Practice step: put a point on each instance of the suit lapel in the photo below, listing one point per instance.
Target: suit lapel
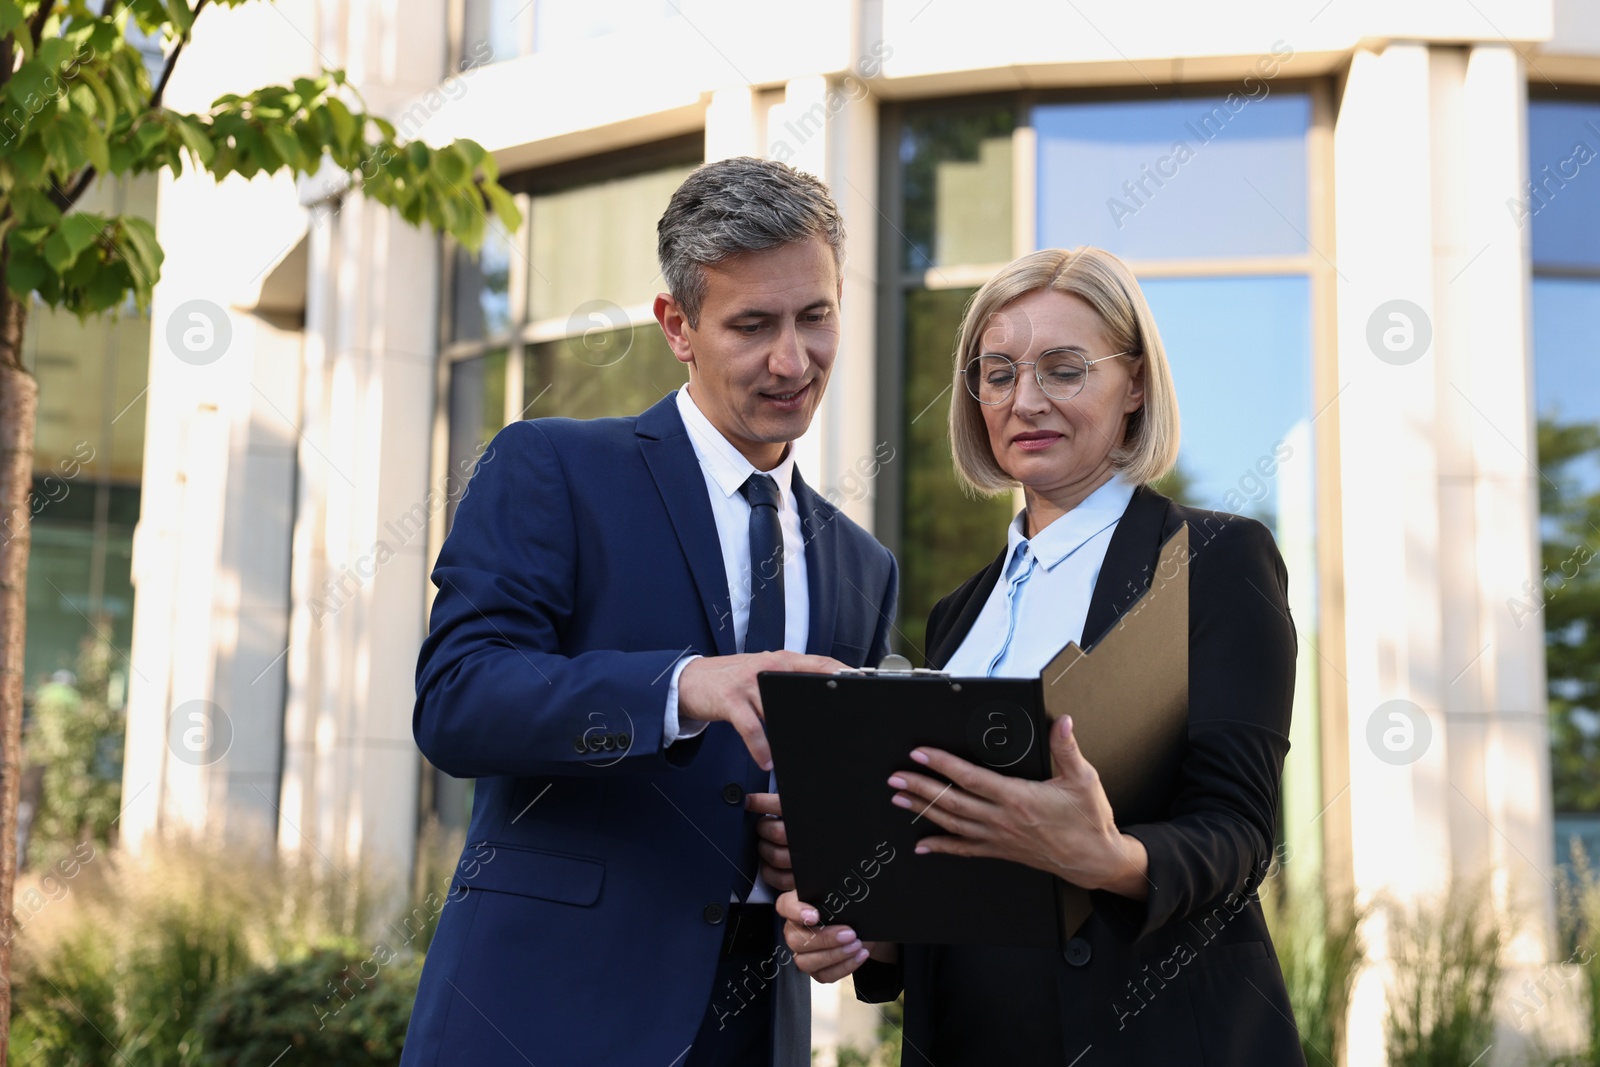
(822, 566)
(665, 445)
(1125, 574)
(966, 613)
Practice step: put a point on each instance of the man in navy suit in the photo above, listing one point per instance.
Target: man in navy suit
(607, 595)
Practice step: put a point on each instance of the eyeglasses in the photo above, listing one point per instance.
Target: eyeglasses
(991, 378)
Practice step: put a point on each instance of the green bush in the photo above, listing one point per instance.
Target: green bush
(336, 1004)
(1320, 949)
(1447, 966)
(119, 967)
(1578, 916)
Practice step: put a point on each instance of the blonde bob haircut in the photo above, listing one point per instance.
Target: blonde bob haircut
(1149, 447)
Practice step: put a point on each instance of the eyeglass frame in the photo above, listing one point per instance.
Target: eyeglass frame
(1037, 377)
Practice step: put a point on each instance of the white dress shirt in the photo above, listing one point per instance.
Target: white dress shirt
(1042, 598)
(726, 470)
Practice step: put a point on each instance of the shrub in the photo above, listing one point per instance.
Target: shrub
(1320, 949)
(1447, 966)
(125, 958)
(335, 1004)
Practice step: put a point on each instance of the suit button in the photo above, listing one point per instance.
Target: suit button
(622, 741)
(608, 742)
(1077, 952)
(580, 743)
(733, 792)
(714, 913)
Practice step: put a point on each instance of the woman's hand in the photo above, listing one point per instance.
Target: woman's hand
(826, 953)
(1063, 825)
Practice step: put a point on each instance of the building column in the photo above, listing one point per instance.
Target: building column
(211, 550)
(1448, 765)
(351, 770)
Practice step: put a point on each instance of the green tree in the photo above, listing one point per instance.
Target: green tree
(1567, 594)
(77, 738)
(76, 102)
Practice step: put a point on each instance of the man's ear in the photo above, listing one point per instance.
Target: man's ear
(675, 325)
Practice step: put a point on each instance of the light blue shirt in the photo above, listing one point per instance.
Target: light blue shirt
(1042, 598)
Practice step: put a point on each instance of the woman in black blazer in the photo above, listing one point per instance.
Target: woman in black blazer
(1063, 387)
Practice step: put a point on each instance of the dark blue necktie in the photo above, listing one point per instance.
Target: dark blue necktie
(766, 629)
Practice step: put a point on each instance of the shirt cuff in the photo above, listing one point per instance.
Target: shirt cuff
(670, 730)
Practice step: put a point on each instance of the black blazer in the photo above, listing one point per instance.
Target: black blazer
(1188, 976)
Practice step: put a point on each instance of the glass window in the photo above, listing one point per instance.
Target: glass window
(597, 243)
(957, 181)
(1175, 179)
(1562, 204)
(599, 375)
(477, 409)
(1562, 197)
(1232, 337)
(480, 303)
(563, 22)
(946, 536)
(494, 30)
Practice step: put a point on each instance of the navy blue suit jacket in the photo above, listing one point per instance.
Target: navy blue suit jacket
(582, 563)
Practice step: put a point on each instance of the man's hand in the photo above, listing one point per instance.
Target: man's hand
(772, 840)
(723, 688)
(827, 953)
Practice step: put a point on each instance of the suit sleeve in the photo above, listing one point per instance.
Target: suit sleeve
(1219, 838)
(495, 695)
(886, 610)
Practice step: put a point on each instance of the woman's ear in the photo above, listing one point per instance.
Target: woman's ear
(1135, 399)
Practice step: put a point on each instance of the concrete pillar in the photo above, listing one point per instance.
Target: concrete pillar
(1448, 763)
(359, 607)
(211, 549)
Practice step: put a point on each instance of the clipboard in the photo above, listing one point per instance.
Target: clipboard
(837, 738)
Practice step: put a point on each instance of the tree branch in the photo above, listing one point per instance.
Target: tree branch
(40, 17)
(81, 186)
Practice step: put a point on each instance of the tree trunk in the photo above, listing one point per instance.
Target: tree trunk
(19, 401)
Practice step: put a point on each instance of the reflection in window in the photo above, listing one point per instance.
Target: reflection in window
(597, 243)
(564, 22)
(477, 411)
(506, 29)
(1175, 179)
(1226, 339)
(481, 300)
(494, 31)
(1562, 205)
(600, 375)
(1562, 197)
(947, 536)
(957, 207)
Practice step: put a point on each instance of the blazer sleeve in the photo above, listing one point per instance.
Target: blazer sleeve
(1219, 838)
(495, 694)
(886, 610)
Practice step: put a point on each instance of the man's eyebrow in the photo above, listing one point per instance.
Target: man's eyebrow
(762, 313)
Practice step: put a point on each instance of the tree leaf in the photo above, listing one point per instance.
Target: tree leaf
(140, 236)
(79, 230)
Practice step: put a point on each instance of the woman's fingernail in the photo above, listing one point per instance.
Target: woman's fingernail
(861, 957)
(809, 916)
(852, 948)
(922, 850)
(846, 936)
(899, 801)
(897, 782)
(919, 755)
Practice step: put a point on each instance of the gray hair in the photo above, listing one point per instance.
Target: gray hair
(739, 205)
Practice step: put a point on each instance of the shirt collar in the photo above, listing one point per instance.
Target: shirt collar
(726, 465)
(1100, 509)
